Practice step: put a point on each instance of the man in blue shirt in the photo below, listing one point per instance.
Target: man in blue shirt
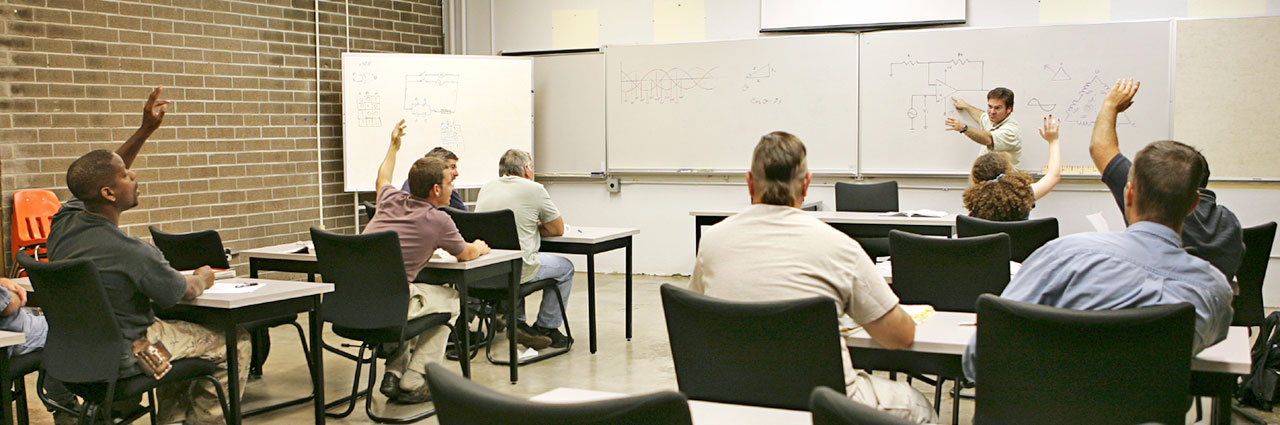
(451, 159)
(1145, 265)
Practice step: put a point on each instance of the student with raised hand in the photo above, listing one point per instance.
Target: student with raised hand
(1142, 266)
(135, 275)
(1211, 232)
(998, 191)
(422, 227)
(773, 251)
(997, 131)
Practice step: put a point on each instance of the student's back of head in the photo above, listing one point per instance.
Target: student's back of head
(997, 191)
(778, 169)
(1166, 177)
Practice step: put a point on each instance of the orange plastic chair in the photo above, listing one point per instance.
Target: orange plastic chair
(32, 212)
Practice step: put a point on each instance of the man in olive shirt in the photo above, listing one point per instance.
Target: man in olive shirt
(134, 274)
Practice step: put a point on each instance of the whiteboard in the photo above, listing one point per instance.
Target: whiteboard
(909, 77)
(783, 15)
(568, 114)
(476, 106)
(703, 106)
(1226, 97)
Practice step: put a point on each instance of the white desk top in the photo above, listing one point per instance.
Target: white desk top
(270, 290)
(703, 412)
(591, 235)
(11, 338)
(288, 252)
(949, 333)
(850, 217)
(886, 269)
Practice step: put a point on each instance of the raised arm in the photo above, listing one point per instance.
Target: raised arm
(1105, 144)
(1049, 132)
(152, 117)
(388, 166)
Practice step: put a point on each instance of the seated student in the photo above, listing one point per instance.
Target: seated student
(134, 273)
(422, 228)
(1143, 266)
(1211, 232)
(15, 318)
(1000, 192)
(455, 200)
(773, 251)
(536, 216)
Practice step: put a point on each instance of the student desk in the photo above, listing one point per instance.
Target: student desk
(885, 268)
(702, 412)
(497, 262)
(7, 339)
(589, 241)
(941, 340)
(854, 224)
(273, 299)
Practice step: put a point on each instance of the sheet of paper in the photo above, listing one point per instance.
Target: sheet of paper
(1099, 223)
(233, 287)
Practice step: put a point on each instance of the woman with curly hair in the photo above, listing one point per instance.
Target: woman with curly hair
(999, 192)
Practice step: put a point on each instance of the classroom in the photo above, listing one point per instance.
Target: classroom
(640, 118)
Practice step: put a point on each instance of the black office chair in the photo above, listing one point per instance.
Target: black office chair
(1043, 364)
(82, 348)
(370, 304)
(869, 197)
(498, 230)
(1025, 236)
(370, 209)
(462, 402)
(769, 354)
(1253, 270)
(189, 251)
(833, 408)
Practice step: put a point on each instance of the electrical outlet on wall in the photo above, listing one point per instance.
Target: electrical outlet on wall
(614, 185)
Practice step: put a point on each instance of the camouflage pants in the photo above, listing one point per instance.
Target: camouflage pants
(187, 340)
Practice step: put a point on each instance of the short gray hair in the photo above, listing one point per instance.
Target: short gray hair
(513, 162)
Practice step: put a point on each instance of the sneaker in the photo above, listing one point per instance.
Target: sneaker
(390, 385)
(558, 340)
(530, 337)
(420, 395)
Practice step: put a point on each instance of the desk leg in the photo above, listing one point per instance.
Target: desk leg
(1220, 410)
(6, 390)
(233, 374)
(628, 250)
(317, 358)
(514, 289)
(253, 268)
(697, 235)
(591, 301)
(464, 331)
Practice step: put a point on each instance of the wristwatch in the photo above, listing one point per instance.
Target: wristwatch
(966, 128)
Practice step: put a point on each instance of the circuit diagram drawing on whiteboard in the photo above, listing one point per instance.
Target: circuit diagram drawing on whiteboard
(915, 78)
(428, 94)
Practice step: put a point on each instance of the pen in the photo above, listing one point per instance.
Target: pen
(246, 285)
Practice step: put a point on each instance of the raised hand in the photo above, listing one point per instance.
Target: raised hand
(1121, 95)
(396, 134)
(153, 111)
(1049, 131)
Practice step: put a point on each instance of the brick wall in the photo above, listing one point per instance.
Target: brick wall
(237, 152)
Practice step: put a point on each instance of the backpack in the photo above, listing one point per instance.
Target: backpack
(1261, 387)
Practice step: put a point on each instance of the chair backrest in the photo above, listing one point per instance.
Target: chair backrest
(869, 197)
(1025, 236)
(370, 209)
(1077, 367)
(189, 251)
(1253, 270)
(496, 228)
(759, 353)
(948, 274)
(32, 212)
(835, 408)
(84, 343)
(370, 289)
(460, 401)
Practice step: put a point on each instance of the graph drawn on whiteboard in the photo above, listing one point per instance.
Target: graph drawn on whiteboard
(935, 82)
(428, 94)
(451, 136)
(369, 109)
(1083, 110)
(670, 85)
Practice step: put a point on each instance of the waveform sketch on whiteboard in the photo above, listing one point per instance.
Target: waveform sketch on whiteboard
(937, 82)
(427, 94)
(669, 85)
(1083, 110)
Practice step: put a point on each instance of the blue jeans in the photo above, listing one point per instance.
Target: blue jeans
(551, 267)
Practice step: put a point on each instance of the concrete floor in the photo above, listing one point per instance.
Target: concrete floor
(638, 366)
